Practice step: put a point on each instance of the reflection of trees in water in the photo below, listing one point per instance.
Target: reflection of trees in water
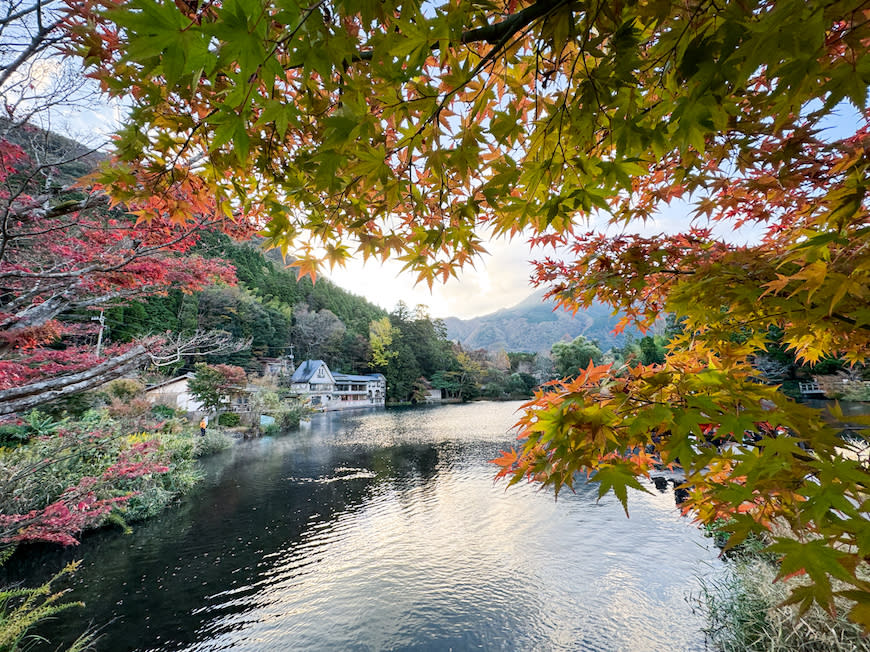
(265, 502)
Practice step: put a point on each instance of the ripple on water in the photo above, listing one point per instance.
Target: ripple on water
(385, 530)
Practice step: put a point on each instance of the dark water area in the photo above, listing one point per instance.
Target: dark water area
(383, 530)
(849, 408)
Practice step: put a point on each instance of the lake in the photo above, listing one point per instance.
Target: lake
(384, 530)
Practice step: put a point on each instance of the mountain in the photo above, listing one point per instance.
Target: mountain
(534, 325)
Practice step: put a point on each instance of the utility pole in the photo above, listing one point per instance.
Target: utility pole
(102, 320)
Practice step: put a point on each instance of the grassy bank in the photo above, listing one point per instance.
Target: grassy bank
(141, 463)
(109, 467)
(744, 611)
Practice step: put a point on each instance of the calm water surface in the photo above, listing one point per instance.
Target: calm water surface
(382, 531)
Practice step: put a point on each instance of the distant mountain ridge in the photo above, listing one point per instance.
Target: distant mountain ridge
(533, 325)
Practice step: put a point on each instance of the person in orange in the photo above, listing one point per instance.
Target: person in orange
(202, 426)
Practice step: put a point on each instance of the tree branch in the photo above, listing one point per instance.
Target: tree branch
(27, 397)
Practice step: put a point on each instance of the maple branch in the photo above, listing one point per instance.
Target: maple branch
(499, 32)
(496, 34)
(201, 343)
(134, 255)
(850, 321)
(26, 397)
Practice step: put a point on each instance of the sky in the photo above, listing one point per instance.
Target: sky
(499, 279)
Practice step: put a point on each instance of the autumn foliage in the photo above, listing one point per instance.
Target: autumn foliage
(65, 253)
(383, 129)
(105, 470)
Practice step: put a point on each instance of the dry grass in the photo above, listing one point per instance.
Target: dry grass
(744, 614)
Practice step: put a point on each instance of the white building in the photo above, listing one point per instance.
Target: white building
(174, 393)
(326, 390)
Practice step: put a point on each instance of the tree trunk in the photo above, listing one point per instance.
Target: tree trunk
(27, 397)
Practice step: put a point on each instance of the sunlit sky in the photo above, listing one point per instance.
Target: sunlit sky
(499, 279)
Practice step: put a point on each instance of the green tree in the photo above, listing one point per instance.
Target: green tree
(570, 357)
(652, 350)
(213, 386)
(381, 340)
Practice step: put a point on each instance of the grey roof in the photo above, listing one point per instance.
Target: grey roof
(306, 370)
(351, 378)
(187, 376)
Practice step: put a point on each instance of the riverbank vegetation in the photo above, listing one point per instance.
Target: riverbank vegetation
(745, 605)
(100, 469)
(745, 613)
(108, 467)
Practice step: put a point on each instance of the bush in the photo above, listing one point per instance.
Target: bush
(134, 408)
(292, 414)
(270, 429)
(744, 613)
(162, 411)
(229, 419)
(71, 406)
(124, 388)
(12, 435)
(213, 442)
(287, 412)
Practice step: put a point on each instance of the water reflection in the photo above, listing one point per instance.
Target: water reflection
(385, 531)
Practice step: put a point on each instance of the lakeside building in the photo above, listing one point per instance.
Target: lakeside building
(175, 393)
(328, 390)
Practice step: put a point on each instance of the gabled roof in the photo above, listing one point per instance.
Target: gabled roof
(307, 370)
(168, 382)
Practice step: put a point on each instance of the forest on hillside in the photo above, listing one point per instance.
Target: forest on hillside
(280, 314)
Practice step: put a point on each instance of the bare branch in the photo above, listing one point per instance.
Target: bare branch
(200, 343)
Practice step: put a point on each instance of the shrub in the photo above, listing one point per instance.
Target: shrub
(229, 419)
(129, 408)
(291, 414)
(744, 613)
(124, 388)
(270, 429)
(213, 442)
(72, 406)
(41, 424)
(12, 435)
(163, 411)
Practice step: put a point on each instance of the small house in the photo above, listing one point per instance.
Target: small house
(173, 393)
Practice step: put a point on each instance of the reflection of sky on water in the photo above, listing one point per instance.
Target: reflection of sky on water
(390, 534)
